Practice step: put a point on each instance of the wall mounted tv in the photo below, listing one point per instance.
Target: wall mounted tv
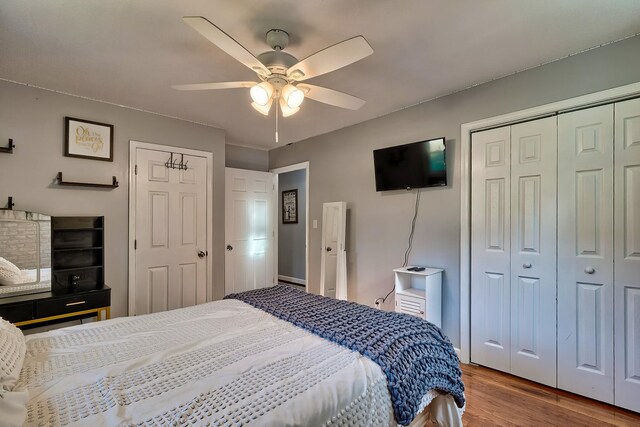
(416, 165)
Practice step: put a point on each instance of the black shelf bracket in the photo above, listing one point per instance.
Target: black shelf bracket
(114, 183)
(9, 148)
(10, 204)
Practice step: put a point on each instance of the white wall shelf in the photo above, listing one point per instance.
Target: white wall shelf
(419, 293)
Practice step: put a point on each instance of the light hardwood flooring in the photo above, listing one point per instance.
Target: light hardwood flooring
(498, 399)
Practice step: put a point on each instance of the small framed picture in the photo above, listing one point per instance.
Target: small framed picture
(290, 207)
(88, 140)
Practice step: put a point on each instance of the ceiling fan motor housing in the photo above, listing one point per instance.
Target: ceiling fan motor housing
(277, 61)
(277, 39)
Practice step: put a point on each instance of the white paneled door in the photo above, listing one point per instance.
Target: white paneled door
(533, 250)
(585, 252)
(333, 274)
(627, 254)
(513, 252)
(491, 248)
(170, 231)
(249, 233)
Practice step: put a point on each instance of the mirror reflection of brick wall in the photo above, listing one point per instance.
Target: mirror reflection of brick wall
(18, 243)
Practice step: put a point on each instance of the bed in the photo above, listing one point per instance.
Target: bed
(229, 362)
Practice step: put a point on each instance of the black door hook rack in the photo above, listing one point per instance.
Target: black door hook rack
(9, 148)
(114, 183)
(172, 163)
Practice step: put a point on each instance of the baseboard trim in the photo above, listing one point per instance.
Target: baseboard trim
(292, 280)
(457, 350)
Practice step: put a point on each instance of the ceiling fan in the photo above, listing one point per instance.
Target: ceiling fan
(280, 73)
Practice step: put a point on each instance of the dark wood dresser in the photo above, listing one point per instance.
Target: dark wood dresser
(47, 308)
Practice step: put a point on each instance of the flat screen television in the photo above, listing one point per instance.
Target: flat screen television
(416, 165)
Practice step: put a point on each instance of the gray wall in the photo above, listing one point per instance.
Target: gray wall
(341, 168)
(291, 237)
(246, 158)
(34, 118)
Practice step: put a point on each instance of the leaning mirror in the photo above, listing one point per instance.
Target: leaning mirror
(25, 253)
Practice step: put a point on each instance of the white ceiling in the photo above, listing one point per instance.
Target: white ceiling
(130, 52)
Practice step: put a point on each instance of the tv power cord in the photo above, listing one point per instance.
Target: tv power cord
(382, 300)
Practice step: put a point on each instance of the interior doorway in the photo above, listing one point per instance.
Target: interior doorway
(291, 254)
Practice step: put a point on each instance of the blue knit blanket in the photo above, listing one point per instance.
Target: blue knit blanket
(414, 354)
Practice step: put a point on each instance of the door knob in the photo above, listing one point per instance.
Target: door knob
(329, 249)
(589, 270)
(526, 265)
(229, 247)
(202, 254)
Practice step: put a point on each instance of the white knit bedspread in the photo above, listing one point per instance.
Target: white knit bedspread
(220, 363)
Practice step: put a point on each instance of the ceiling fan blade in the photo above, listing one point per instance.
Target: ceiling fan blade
(330, 59)
(331, 97)
(210, 86)
(221, 39)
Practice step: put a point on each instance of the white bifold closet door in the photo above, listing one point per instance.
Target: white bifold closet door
(627, 254)
(585, 252)
(491, 248)
(513, 269)
(599, 253)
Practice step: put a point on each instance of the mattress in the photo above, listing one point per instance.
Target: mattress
(222, 363)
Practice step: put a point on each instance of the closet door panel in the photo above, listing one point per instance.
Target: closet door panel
(627, 254)
(533, 250)
(585, 252)
(490, 240)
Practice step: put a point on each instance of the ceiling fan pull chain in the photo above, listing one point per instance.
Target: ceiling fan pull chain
(276, 122)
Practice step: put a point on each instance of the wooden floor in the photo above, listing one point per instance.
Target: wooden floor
(497, 399)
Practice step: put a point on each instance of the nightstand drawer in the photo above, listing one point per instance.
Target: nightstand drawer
(17, 312)
(72, 303)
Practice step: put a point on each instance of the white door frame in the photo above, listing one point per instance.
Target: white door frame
(276, 172)
(592, 99)
(133, 146)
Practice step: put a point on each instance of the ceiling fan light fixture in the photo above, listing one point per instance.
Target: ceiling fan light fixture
(262, 93)
(263, 109)
(286, 110)
(292, 95)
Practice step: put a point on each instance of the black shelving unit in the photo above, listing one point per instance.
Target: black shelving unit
(77, 253)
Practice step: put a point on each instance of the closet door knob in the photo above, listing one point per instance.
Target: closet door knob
(526, 265)
(589, 270)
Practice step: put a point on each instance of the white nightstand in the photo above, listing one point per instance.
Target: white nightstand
(419, 293)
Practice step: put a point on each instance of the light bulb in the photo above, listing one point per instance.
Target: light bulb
(286, 110)
(292, 95)
(261, 93)
(263, 109)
